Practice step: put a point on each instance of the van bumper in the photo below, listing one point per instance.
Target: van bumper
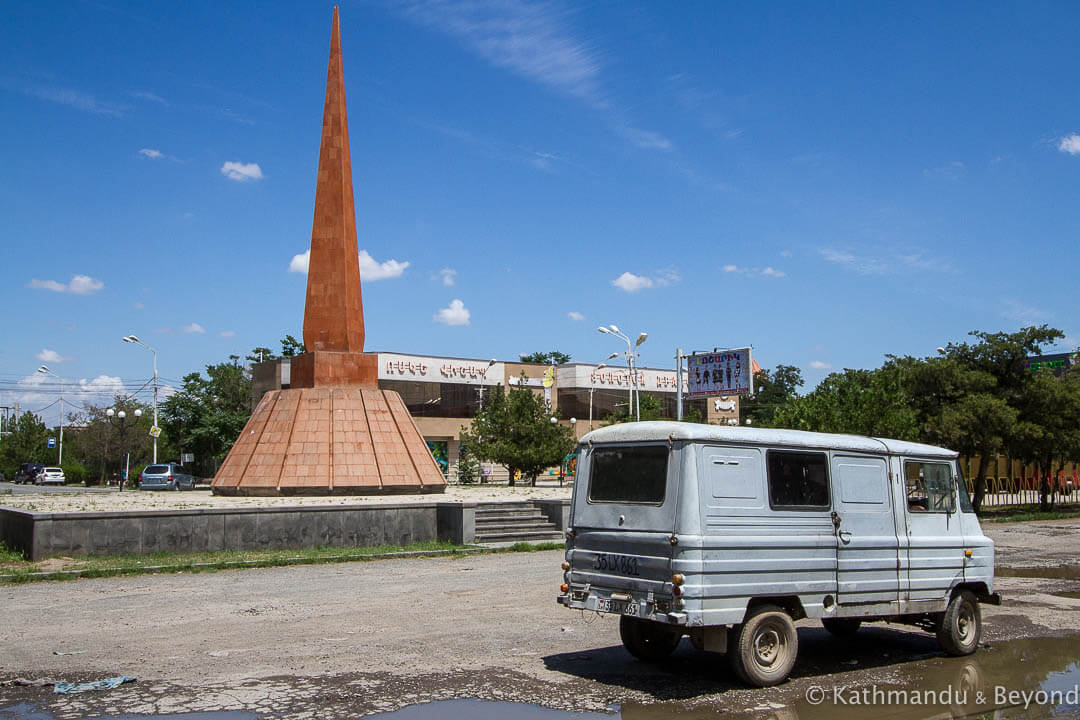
(644, 609)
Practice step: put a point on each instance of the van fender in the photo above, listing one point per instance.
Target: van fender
(979, 590)
(791, 604)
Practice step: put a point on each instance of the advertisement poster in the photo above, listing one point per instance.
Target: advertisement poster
(725, 372)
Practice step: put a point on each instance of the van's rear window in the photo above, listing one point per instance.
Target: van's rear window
(156, 470)
(628, 474)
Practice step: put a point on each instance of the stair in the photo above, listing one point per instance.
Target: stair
(511, 522)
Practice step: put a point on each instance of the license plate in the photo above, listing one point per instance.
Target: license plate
(618, 607)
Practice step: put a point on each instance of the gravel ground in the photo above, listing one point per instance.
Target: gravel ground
(97, 501)
(346, 640)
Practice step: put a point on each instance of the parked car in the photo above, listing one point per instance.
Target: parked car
(28, 472)
(50, 476)
(166, 476)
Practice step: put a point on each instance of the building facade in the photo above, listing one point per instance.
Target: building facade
(443, 394)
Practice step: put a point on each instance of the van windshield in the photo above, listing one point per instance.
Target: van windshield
(636, 474)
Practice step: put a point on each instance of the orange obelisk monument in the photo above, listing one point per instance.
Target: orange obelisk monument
(333, 431)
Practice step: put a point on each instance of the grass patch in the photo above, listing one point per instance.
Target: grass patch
(7, 555)
(14, 569)
(529, 547)
(1018, 514)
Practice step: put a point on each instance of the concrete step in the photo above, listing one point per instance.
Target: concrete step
(539, 526)
(512, 537)
(510, 517)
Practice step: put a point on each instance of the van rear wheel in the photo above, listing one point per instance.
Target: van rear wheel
(960, 628)
(647, 640)
(842, 627)
(762, 650)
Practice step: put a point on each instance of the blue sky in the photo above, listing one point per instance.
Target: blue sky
(826, 182)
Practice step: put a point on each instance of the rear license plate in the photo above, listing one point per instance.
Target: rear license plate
(619, 607)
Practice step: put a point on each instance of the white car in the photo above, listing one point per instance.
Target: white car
(50, 476)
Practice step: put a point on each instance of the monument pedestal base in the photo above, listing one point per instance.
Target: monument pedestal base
(329, 440)
(324, 368)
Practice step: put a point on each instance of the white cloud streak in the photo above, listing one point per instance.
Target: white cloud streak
(227, 334)
(819, 365)
(575, 316)
(454, 314)
(241, 172)
(152, 153)
(194, 328)
(631, 283)
(79, 285)
(78, 100)
(449, 276)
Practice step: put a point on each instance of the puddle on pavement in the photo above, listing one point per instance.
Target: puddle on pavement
(1061, 572)
(1037, 678)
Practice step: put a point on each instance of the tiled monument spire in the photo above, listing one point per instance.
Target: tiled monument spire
(333, 431)
(334, 314)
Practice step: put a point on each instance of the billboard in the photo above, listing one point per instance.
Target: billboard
(724, 372)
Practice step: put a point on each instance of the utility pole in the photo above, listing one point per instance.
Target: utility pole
(678, 384)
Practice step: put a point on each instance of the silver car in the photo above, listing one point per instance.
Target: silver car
(50, 476)
(166, 476)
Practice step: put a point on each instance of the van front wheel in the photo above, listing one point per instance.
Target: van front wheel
(647, 640)
(762, 650)
(961, 625)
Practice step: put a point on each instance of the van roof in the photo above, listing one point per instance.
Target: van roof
(666, 429)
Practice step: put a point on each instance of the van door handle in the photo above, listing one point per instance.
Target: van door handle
(845, 536)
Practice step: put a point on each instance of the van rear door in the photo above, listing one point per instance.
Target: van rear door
(623, 516)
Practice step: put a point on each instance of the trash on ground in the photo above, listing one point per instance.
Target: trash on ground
(106, 684)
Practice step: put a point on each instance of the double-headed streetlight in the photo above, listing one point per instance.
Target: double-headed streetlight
(612, 330)
(44, 370)
(133, 339)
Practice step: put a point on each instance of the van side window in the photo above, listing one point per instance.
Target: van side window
(798, 480)
(928, 486)
(628, 474)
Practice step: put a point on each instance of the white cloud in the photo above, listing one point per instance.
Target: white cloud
(152, 153)
(448, 276)
(575, 316)
(103, 388)
(299, 263)
(51, 356)
(773, 272)
(194, 327)
(370, 269)
(139, 306)
(765, 272)
(241, 172)
(79, 285)
(731, 268)
(819, 365)
(455, 314)
(631, 283)
(227, 334)
(1070, 144)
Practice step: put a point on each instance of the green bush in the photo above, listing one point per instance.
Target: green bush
(75, 473)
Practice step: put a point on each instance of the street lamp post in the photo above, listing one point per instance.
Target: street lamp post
(592, 385)
(612, 330)
(44, 370)
(133, 339)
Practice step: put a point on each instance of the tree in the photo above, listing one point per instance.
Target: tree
(546, 358)
(772, 392)
(208, 413)
(1047, 433)
(28, 442)
(1002, 357)
(106, 445)
(291, 347)
(515, 429)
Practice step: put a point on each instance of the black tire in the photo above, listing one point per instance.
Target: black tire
(842, 627)
(960, 628)
(763, 649)
(647, 640)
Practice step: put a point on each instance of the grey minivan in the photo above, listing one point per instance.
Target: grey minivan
(166, 476)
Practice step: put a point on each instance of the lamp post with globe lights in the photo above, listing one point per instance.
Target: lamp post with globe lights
(133, 339)
(122, 417)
